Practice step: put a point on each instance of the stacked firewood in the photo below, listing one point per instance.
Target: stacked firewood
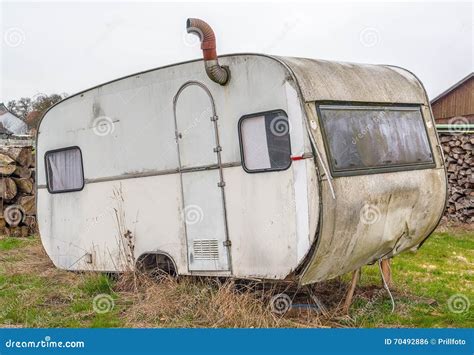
(458, 151)
(17, 191)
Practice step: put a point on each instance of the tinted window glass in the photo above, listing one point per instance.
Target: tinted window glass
(361, 138)
(265, 141)
(64, 170)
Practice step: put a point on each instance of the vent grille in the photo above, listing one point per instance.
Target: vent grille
(206, 249)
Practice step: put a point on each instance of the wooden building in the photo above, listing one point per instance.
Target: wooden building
(455, 102)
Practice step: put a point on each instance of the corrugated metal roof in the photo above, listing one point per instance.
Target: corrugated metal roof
(11, 123)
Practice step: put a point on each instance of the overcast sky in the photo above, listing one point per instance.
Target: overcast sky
(53, 47)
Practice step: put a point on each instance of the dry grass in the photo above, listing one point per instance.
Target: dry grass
(32, 259)
(35, 293)
(143, 301)
(205, 302)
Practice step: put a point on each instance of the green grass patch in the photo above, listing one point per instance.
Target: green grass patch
(430, 286)
(94, 284)
(9, 243)
(50, 297)
(426, 285)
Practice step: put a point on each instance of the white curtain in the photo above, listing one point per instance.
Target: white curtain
(65, 170)
(254, 143)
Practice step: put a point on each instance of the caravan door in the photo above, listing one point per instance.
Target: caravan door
(201, 178)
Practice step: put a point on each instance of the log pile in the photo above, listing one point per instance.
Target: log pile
(17, 191)
(458, 151)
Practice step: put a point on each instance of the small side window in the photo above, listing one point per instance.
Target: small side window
(64, 171)
(265, 141)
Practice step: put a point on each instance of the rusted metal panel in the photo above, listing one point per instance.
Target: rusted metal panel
(375, 216)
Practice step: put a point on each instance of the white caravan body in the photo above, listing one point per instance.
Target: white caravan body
(237, 180)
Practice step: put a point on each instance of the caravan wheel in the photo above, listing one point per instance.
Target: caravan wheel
(157, 265)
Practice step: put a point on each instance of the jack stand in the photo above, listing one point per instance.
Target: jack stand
(350, 292)
(387, 272)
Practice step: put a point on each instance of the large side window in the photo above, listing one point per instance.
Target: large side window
(265, 141)
(64, 171)
(370, 139)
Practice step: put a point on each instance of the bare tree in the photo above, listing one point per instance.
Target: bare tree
(32, 109)
(20, 107)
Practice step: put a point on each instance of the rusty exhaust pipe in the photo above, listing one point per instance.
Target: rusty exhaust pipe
(215, 72)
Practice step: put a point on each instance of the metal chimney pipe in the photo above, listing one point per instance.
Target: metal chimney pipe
(215, 72)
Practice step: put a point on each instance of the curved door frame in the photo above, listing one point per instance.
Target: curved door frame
(217, 150)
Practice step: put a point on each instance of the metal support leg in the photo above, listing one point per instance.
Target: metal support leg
(350, 292)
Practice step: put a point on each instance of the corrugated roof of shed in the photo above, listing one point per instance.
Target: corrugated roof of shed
(11, 123)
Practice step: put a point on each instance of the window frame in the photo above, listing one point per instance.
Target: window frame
(372, 170)
(242, 154)
(47, 170)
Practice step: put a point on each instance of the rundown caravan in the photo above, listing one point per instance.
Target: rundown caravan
(246, 165)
